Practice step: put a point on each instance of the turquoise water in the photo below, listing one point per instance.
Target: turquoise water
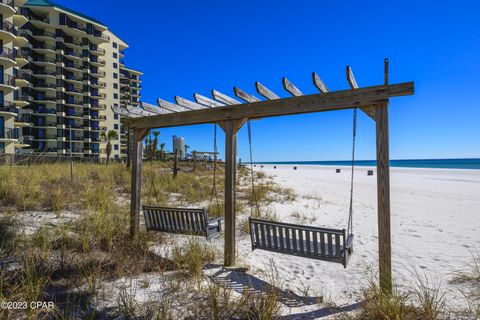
(412, 163)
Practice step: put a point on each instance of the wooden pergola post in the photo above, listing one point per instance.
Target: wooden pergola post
(230, 137)
(136, 192)
(383, 196)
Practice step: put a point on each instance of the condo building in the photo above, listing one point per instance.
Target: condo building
(62, 76)
(179, 146)
(10, 99)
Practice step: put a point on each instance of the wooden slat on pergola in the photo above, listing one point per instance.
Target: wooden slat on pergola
(231, 113)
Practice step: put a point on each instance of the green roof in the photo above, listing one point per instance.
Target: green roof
(48, 3)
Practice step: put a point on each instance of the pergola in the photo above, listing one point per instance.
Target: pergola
(230, 114)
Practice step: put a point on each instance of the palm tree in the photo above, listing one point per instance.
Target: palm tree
(162, 151)
(156, 133)
(108, 136)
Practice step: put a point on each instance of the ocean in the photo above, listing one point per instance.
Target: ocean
(410, 163)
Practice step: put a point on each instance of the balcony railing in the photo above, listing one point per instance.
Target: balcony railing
(7, 80)
(45, 98)
(71, 64)
(7, 53)
(100, 35)
(73, 90)
(44, 59)
(43, 46)
(7, 106)
(44, 73)
(73, 54)
(9, 27)
(76, 43)
(47, 136)
(71, 113)
(37, 18)
(9, 133)
(44, 33)
(97, 49)
(44, 85)
(46, 111)
(72, 77)
(8, 3)
(45, 124)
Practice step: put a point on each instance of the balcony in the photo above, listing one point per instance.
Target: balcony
(7, 7)
(22, 99)
(42, 86)
(73, 54)
(45, 124)
(71, 77)
(44, 35)
(98, 62)
(7, 56)
(9, 134)
(73, 43)
(44, 74)
(96, 50)
(46, 111)
(73, 65)
(73, 114)
(46, 136)
(42, 61)
(71, 90)
(7, 83)
(43, 47)
(39, 21)
(7, 107)
(8, 32)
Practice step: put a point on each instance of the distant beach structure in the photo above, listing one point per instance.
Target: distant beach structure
(470, 163)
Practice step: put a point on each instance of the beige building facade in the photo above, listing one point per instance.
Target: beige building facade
(59, 82)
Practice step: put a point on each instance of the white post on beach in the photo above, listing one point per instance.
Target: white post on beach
(71, 159)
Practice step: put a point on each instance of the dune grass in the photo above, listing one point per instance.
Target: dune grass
(65, 263)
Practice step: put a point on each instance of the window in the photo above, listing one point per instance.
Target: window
(115, 75)
(114, 44)
(115, 116)
(115, 86)
(116, 146)
(115, 96)
(115, 55)
(115, 126)
(115, 65)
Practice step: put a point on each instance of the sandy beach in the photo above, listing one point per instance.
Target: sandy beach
(435, 227)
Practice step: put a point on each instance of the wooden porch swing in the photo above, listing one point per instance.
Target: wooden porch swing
(231, 114)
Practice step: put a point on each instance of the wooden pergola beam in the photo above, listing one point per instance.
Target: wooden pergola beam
(188, 103)
(167, 105)
(265, 92)
(207, 101)
(318, 83)
(245, 96)
(345, 99)
(223, 98)
(290, 87)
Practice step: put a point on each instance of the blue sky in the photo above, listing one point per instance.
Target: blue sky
(195, 46)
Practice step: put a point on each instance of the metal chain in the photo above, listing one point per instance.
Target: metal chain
(214, 187)
(152, 177)
(350, 211)
(251, 171)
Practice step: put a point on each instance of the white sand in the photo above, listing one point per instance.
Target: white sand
(435, 222)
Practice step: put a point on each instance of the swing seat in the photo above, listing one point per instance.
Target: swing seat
(194, 222)
(332, 245)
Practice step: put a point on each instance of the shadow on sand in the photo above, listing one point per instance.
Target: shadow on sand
(240, 281)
